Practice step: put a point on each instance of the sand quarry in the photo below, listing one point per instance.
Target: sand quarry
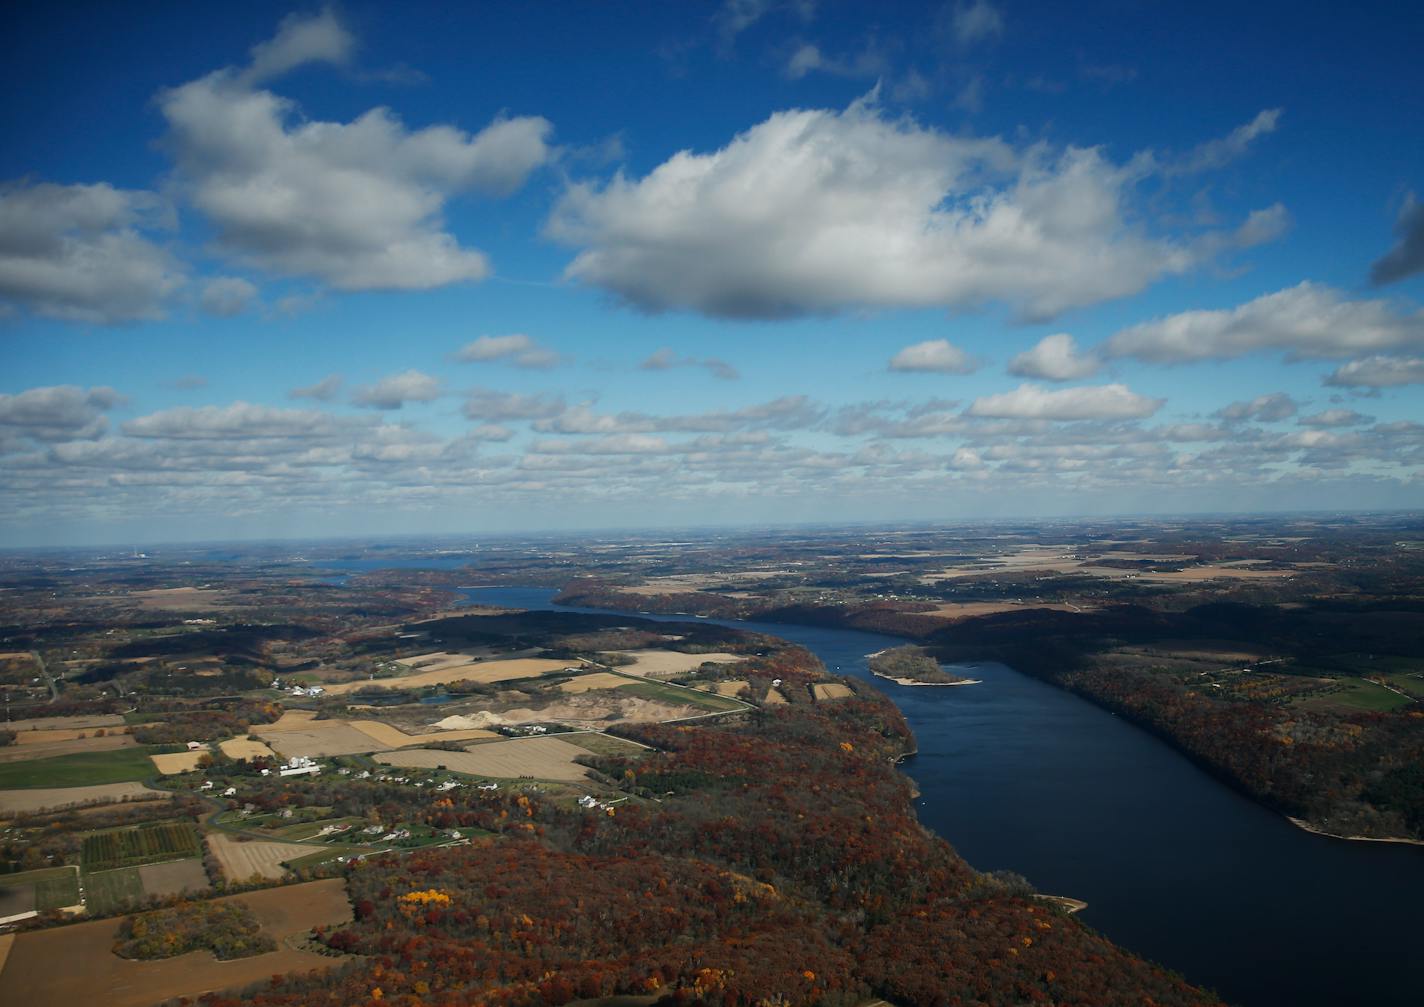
(40, 970)
(541, 758)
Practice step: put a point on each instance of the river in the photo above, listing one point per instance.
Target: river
(1179, 868)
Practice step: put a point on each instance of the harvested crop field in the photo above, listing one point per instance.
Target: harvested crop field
(597, 680)
(774, 698)
(485, 672)
(394, 737)
(670, 663)
(86, 722)
(178, 762)
(13, 801)
(174, 877)
(40, 970)
(242, 748)
(28, 746)
(241, 860)
(541, 758)
(729, 688)
(831, 690)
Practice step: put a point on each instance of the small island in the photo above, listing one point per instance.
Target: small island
(911, 665)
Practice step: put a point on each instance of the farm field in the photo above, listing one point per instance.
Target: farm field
(669, 663)
(84, 769)
(732, 689)
(242, 748)
(144, 844)
(40, 971)
(109, 891)
(85, 722)
(28, 746)
(830, 690)
(174, 877)
(677, 694)
(597, 680)
(51, 887)
(604, 744)
(172, 763)
(325, 738)
(540, 758)
(37, 798)
(241, 860)
(486, 672)
(1359, 694)
(394, 737)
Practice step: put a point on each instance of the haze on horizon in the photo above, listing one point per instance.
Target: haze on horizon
(298, 271)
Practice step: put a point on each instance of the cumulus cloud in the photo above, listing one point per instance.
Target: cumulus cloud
(499, 407)
(84, 252)
(790, 412)
(665, 360)
(1263, 408)
(517, 349)
(1407, 256)
(1335, 418)
(1306, 321)
(357, 205)
(976, 22)
(1096, 402)
(227, 296)
(56, 413)
(936, 355)
(808, 58)
(395, 390)
(1379, 371)
(301, 39)
(821, 211)
(323, 391)
(1055, 358)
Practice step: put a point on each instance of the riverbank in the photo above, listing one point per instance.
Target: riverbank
(1304, 826)
(911, 681)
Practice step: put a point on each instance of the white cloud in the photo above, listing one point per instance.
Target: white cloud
(357, 205)
(227, 296)
(1096, 402)
(323, 391)
(790, 412)
(395, 390)
(1263, 408)
(79, 252)
(936, 355)
(1307, 321)
(56, 413)
(238, 421)
(821, 211)
(1055, 358)
(1220, 152)
(977, 22)
(1380, 371)
(497, 407)
(665, 360)
(1335, 418)
(517, 349)
(301, 39)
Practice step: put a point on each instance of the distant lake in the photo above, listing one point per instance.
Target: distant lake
(1175, 866)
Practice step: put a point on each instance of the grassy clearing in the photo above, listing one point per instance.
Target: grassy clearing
(120, 765)
(308, 830)
(1358, 694)
(1411, 682)
(674, 694)
(55, 887)
(143, 844)
(107, 891)
(605, 744)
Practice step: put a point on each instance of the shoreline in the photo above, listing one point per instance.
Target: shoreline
(1304, 826)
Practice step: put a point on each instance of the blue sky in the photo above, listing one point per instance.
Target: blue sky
(282, 271)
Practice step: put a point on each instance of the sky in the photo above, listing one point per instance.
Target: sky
(274, 271)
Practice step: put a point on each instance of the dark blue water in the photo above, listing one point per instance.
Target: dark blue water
(1022, 776)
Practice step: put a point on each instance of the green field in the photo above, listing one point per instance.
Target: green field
(143, 844)
(120, 765)
(106, 891)
(674, 694)
(1411, 682)
(604, 744)
(55, 887)
(308, 830)
(1359, 694)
